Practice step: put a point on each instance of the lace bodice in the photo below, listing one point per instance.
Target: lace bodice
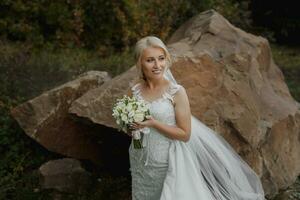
(149, 165)
(161, 109)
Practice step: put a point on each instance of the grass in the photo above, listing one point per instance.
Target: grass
(27, 72)
(288, 60)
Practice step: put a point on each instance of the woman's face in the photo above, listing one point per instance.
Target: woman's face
(153, 62)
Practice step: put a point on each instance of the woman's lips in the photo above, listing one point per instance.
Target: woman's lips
(156, 71)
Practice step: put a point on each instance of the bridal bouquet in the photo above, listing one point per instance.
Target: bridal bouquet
(128, 110)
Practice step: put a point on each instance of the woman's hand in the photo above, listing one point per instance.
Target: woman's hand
(150, 122)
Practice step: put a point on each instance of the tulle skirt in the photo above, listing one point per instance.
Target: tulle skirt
(208, 168)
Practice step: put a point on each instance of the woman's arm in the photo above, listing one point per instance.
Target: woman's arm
(183, 119)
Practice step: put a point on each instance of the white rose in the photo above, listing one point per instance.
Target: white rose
(124, 110)
(115, 113)
(124, 118)
(120, 104)
(118, 122)
(130, 114)
(129, 107)
(144, 109)
(139, 117)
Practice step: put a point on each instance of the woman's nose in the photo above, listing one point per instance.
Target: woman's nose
(157, 63)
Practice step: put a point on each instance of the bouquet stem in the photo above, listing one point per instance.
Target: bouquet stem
(137, 139)
(137, 143)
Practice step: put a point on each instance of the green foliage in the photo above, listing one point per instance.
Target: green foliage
(237, 12)
(288, 59)
(25, 73)
(19, 154)
(105, 25)
(40, 22)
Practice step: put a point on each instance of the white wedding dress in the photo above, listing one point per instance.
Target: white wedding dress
(204, 168)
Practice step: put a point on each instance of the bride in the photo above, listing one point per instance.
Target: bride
(181, 158)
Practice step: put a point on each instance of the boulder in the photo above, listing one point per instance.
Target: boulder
(234, 87)
(46, 119)
(96, 105)
(65, 175)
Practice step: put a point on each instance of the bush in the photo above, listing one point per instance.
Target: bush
(24, 74)
(288, 59)
(106, 26)
(19, 156)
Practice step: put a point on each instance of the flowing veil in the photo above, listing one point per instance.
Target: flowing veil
(208, 168)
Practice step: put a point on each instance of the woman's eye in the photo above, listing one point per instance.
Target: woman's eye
(152, 59)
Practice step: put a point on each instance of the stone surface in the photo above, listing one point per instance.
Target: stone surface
(46, 119)
(97, 104)
(65, 175)
(234, 87)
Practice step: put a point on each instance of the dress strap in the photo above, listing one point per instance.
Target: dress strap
(171, 91)
(136, 90)
(168, 94)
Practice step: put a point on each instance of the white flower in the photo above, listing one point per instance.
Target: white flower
(139, 117)
(128, 110)
(129, 107)
(124, 118)
(115, 113)
(131, 114)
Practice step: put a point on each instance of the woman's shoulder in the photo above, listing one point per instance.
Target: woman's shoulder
(175, 88)
(135, 88)
(178, 94)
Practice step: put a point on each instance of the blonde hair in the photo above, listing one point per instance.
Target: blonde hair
(142, 44)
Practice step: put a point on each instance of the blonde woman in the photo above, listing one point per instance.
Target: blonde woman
(182, 158)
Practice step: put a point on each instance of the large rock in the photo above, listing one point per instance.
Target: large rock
(65, 175)
(97, 104)
(46, 119)
(234, 87)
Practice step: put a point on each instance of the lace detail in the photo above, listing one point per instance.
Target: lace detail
(149, 165)
(168, 94)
